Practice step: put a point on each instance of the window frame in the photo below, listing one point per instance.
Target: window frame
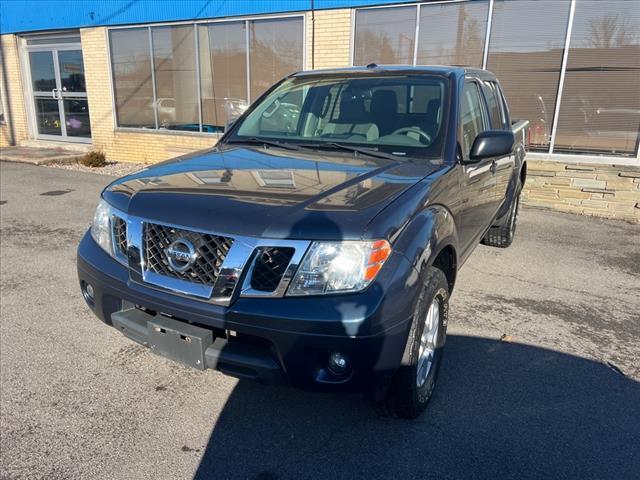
(485, 114)
(194, 23)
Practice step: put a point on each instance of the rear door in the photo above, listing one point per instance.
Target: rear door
(479, 180)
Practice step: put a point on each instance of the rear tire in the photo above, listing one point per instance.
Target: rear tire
(501, 236)
(412, 385)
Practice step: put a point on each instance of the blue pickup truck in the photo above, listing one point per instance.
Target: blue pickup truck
(317, 243)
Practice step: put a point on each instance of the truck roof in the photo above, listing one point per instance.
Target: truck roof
(402, 69)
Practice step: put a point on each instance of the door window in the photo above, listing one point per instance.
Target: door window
(43, 74)
(496, 112)
(473, 118)
(71, 71)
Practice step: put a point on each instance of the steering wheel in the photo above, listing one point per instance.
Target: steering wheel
(425, 138)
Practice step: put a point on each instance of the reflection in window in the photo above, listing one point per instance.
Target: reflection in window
(223, 70)
(600, 105)
(275, 178)
(385, 36)
(211, 177)
(174, 60)
(275, 51)
(132, 84)
(529, 68)
(42, 71)
(452, 34)
(494, 103)
(72, 71)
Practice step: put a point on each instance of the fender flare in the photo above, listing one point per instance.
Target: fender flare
(426, 235)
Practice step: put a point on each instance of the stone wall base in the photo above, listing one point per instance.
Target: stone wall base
(609, 191)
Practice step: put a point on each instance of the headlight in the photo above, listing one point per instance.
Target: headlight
(339, 267)
(101, 226)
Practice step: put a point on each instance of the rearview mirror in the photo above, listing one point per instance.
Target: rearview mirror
(492, 143)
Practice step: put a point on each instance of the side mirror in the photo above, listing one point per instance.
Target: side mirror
(492, 143)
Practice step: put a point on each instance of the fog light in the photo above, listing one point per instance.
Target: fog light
(338, 364)
(88, 293)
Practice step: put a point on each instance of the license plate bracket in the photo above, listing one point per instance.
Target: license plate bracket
(179, 341)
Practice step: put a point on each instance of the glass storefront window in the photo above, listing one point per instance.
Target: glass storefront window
(385, 36)
(273, 49)
(452, 33)
(223, 71)
(600, 105)
(132, 84)
(174, 61)
(529, 68)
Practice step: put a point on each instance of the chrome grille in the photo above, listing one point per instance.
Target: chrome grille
(120, 235)
(211, 251)
(269, 267)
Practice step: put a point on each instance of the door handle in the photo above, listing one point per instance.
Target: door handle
(494, 167)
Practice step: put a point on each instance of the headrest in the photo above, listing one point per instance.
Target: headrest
(384, 102)
(351, 110)
(433, 109)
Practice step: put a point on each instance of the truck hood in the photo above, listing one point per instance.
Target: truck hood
(267, 193)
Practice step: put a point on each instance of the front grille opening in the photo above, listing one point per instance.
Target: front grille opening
(211, 251)
(120, 235)
(271, 264)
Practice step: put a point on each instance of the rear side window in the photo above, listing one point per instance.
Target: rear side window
(496, 108)
(473, 119)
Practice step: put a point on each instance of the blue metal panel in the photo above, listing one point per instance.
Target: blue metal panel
(36, 15)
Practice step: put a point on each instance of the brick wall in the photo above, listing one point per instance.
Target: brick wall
(15, 128)
(610, 191)
(332, 38)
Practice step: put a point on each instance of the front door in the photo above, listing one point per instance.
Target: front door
(478, 178)
(60, 94)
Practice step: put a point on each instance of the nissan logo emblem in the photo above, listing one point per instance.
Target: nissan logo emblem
(181, 254)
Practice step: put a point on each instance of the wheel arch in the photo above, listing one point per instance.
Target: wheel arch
(431, 239)
(446, 260)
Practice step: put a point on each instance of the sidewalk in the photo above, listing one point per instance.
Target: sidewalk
(39, 156)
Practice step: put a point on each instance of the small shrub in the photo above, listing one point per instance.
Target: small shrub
(94, 159)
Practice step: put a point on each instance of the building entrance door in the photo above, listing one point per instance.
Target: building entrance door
(59, 93)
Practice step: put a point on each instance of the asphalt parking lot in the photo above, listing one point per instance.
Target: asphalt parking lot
(561, 399)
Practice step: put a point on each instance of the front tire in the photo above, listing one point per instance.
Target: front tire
(413, 383)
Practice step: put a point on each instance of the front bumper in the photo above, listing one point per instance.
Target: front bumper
(273, 340)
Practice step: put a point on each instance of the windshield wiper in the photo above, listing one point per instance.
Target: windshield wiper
(264, 141)
(357, 150)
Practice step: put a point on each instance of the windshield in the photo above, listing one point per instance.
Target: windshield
(400, 115)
